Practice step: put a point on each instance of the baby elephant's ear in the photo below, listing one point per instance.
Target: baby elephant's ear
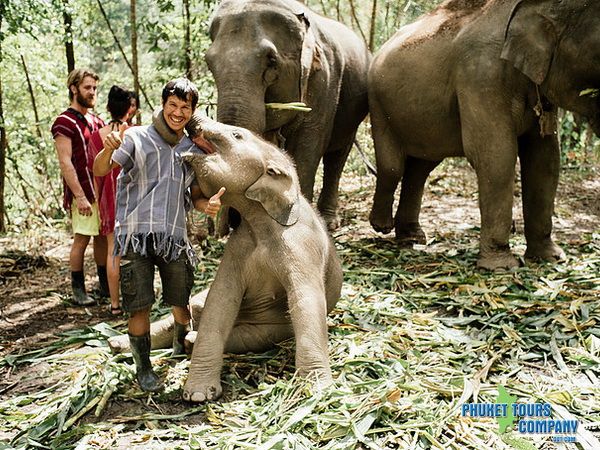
(277, 191)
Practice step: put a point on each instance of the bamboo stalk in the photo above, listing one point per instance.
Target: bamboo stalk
(293, 106)
(104, 400)
(81, 413)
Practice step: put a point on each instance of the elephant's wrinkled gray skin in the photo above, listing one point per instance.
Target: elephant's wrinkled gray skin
(279, 276)
(465, 80)
(279, 51)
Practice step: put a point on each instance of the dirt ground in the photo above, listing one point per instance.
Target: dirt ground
(35, 291)
(35, 284)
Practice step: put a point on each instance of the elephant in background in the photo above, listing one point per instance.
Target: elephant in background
(279, 51)
(483, 79)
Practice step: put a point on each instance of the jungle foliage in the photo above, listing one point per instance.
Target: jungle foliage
(171, 40)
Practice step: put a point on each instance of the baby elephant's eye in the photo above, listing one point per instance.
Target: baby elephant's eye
(237, 135)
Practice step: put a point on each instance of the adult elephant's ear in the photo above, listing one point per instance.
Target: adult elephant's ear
(531, 36)
(276, 190)
(309, 58)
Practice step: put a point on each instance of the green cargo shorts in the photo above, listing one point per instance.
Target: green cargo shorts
(137, 280)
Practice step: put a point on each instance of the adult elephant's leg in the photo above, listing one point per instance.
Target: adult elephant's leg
(408, 230)
(306, 148)
(491, 147)
(333, 165)
(390, 167)
(540, 166)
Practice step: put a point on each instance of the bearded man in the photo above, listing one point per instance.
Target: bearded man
(71, 131)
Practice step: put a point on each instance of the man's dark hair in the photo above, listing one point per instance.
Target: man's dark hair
(119, 101)
(76, 77)
(183, 89)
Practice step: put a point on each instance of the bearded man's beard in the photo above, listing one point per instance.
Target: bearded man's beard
(86, 102)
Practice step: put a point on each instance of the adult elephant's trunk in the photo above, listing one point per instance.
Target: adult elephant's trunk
(243, 105)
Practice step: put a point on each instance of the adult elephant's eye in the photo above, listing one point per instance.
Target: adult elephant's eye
(237, 135)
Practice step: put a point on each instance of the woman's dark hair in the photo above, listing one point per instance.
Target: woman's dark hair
(183, 89)
(119, 101)
(133, 94)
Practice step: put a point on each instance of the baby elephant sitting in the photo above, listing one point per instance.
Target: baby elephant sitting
(279, 276)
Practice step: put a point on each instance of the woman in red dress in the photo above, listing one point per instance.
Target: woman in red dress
(122, 106)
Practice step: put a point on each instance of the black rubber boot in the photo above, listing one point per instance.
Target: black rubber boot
(103, 289)
(140, 349)
(179, 333)
(80, 297)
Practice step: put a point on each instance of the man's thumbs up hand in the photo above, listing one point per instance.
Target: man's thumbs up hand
(113, 140)
(214, 203)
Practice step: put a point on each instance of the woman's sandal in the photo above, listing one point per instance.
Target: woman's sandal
(115, 311)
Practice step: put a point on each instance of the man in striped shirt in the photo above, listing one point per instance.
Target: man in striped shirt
(71, 131)
(154, 190)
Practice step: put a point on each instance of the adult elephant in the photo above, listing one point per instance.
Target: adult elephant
(483, 79)
(279, 51)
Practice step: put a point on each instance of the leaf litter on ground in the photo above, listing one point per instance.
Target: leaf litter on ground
(416, 334)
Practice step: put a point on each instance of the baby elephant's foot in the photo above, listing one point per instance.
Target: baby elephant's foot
(545, 251)
(198, 392)
(321, 380)
(119, 344)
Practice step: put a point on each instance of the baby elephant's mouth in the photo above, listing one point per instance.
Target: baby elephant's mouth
(202, 143)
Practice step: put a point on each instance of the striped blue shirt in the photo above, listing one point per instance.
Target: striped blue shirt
(153, 195)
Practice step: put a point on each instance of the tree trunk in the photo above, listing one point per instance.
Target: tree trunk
(32, 97)
(373, 25)
(324, 9)
(68, 21)
(3, 146)
(134, 58)
(357, 22)
(133, 72)
(187, 44)
(42, 156)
